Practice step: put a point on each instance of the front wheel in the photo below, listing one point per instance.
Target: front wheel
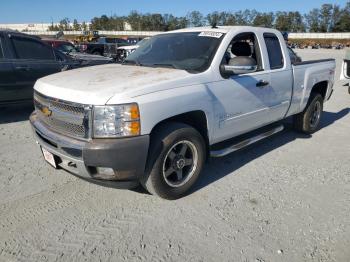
(176, 159)
(308, 121)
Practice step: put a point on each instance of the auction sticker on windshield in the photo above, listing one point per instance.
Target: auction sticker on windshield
(49, 157)
(211, 34)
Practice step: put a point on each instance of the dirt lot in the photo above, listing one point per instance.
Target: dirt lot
(285, 199)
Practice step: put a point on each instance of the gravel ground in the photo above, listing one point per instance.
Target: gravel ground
(284, 199)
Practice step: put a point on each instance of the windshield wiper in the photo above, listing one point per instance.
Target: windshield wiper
(166, 65)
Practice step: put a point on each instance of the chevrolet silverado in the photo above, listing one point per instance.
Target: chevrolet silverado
(179, 99)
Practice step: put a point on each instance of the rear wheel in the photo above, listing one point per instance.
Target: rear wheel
(308, 121)
(178, 152)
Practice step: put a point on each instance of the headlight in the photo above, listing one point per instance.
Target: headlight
(116, 121)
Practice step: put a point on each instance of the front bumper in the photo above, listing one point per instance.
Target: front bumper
(85, 158)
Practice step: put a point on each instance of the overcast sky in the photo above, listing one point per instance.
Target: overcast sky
(30, 11)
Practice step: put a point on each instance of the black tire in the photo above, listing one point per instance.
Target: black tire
(308, 121)
(167, 164)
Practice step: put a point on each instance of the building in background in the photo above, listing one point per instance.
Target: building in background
(28, 27)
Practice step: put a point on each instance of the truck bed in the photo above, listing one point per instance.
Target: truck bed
(312, 62)
(305, 75)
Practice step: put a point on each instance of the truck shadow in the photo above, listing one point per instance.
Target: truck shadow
(220, 167)
(16, 113)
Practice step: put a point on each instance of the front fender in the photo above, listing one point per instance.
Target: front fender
(157, 107)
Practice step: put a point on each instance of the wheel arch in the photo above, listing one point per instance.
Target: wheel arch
(321, 88)
(196, 119)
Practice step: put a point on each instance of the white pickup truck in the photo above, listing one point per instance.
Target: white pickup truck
(180, 98)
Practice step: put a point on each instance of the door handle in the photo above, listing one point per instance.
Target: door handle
(262, 83)
(23, 68)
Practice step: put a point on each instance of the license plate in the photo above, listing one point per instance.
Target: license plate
(49, 157)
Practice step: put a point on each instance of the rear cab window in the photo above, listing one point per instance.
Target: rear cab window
(274, 50)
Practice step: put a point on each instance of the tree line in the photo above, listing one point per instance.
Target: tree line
(327, 18)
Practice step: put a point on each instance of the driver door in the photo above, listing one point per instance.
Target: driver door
(242, 101)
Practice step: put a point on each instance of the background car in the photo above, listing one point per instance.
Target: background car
(105, 46)
(69, 49)
(23, 60)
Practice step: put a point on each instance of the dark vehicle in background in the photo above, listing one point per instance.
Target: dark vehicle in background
(23, 60)
(326, 46)
(104, 46)
(293, 45)
(84, 59)
(339, 46)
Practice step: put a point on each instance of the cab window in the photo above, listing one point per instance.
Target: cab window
(244, 45)
(274, 51)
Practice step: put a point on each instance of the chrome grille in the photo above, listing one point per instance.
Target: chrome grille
(62, 116)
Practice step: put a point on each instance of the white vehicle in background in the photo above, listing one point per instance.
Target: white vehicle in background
(180, 98)
(345, 73)
(124, 51)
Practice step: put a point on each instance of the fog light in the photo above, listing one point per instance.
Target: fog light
(105, 173)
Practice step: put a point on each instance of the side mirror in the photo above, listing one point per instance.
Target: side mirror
(240, 65)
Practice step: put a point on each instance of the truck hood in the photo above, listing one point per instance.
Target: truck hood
(97, 84)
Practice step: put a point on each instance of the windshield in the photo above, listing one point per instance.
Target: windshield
(67, 48)
(143, 41)
(191, 51)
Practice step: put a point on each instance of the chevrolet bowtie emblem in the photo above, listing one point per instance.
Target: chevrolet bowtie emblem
(46, 111)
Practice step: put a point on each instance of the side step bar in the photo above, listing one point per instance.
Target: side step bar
(245, 143)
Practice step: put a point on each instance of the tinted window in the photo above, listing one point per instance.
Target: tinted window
(1, 50)
(274, 51)
(31, 49)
